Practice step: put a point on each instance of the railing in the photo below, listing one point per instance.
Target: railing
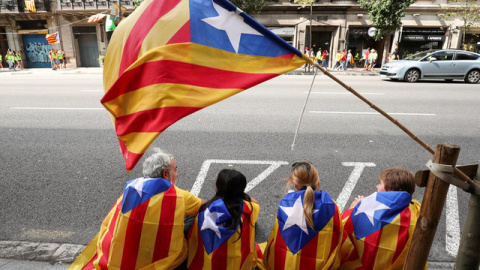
(91, 4)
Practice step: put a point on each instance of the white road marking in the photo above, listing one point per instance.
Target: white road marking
(453, 224)
(351, 182)
(373, 113)
(53, 108)
(92, 91)
(197, 186)
(344, 93)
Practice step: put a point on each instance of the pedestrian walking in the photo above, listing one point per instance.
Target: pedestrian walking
(366, 54)
(372, 59)
(325, 59)
(1, 60)
(350, 60)
(64, 57)
(18, 57)
(337, 60)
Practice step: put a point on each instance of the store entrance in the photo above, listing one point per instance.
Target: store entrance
(321, 39)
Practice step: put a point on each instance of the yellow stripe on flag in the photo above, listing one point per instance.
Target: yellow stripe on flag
(138, 142)
(166, 27)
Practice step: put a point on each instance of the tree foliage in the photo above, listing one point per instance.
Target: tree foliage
(467, 11)
(250, 7)
(385, 14)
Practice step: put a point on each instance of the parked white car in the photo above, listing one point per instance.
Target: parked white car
(435, 64)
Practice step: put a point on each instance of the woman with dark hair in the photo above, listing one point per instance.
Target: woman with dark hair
(308, 229)
(223, 232)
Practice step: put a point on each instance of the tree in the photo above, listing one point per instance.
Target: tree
(250, 7)
(467, 11)
(386, 14)
(304, 3)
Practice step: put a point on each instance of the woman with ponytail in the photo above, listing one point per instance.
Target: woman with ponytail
(308, 229)
(223, 232)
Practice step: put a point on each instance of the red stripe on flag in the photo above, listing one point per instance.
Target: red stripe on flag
(103, 262)
(182, 35)
(142, 27)
(402, 239)
(154, 120)
(197, 262)
(370, 250)
(335, 232)
(280, 251)
(131, 159)
(308, 256)
(133, 235)
(89, 265)
(246, 227)
(220, 256)
(167, 71)
(288, 56)
(165, 224)
(259, 252)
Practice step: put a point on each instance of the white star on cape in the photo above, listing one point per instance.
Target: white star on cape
(209, 221)
(232, 23)
(369, 205)
(138, 184)
(295, 215)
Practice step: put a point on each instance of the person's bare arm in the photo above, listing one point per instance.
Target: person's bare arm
(356, 201)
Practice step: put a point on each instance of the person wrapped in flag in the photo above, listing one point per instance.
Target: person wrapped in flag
(144, 229)
(223, 233)
(378, 228)
(308, 230)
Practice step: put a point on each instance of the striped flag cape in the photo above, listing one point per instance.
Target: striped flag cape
(378, 231)
(169, 59)
(52, 38)
(211, 246)
(96, 17)
(143, 230)
(294, 245)
(30, 6)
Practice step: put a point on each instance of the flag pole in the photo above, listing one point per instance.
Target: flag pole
(393, 120)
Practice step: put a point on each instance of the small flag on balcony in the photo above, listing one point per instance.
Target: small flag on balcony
(96, 17)
(30, 6)
(53, 38)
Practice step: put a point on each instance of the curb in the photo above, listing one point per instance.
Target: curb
(36, 251)
(347, 73)
(66, 253)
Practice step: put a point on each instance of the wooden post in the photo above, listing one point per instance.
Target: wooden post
(432, 205)
(468, 256)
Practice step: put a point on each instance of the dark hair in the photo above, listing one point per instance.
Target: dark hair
(398, 179)
(231, 188)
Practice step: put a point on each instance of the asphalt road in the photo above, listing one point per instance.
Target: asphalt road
(62, 169)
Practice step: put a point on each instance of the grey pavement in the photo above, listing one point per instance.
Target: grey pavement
(22, 255)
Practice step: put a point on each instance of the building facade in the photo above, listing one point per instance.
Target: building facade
(336, 25)
(83, 42)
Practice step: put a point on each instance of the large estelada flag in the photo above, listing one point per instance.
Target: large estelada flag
(169, 59)
(378, 231)
(30, 6)
(96, 17)
(295, 245)
(212, 246)
(52, 38)
(143, 230)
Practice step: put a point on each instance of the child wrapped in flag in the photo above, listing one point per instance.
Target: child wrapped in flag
(378, 228)
(223, 233)
(308, 229)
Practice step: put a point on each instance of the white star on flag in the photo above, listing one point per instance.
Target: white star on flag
(295, 215)
(209, 221)
(138, 184)
(232, 23)
(369, 205)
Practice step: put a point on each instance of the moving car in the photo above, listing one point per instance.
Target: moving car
(435, 64)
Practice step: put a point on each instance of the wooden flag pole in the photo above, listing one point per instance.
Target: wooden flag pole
(393, 120)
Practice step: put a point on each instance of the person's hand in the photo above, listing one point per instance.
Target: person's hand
(356, 201)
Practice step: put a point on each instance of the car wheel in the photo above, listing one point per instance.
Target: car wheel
(412, 75)
(473, 76)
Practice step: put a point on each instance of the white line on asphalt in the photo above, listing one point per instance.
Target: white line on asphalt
(373, 113)
(197, 186)
(53, 108)
(343, 93)
(351, 182)
(453, 224)
(92, 91)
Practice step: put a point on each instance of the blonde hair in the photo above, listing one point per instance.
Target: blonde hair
(305, 176)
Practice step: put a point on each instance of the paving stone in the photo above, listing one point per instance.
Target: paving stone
(22, 251)
(45, 251)
(67, 253)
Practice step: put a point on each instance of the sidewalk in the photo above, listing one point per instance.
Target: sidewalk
(21, 255)
(348, 72)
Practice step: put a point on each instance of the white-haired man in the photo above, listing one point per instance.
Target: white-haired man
(145, 228)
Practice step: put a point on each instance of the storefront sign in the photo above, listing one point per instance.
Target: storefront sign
(371, 31)
(283, 31)
(422, 38)
(32, 32)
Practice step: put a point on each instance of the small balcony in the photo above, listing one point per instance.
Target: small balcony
(92, 4)
(18, 6)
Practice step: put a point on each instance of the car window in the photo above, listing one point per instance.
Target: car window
(465, 56)
(443, 56)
